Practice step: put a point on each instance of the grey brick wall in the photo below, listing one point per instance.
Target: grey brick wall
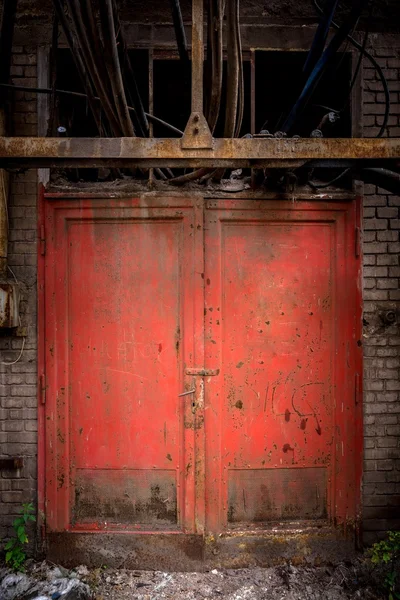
(381, 490)
(18, 423)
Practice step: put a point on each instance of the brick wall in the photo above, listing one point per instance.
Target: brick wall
(18, 424)
(381, 491)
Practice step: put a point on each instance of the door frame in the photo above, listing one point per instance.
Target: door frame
(185, 551)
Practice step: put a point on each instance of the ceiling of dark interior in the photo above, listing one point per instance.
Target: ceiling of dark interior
(291, 12)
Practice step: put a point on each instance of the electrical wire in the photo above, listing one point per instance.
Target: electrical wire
(101, 83)
(363, 52)
(215, 63)
(376, 65)
(179, 31)
(4, 196)
(83, 74)
(13, 362)
(321, 186)
(353, 81)
(322, 64)
(23, 88)
(113, 66)
(320, 37)
(130, 82)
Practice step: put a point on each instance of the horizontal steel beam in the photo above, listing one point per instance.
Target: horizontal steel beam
(233, 153)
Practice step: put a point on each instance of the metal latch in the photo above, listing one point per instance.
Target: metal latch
(203, 372)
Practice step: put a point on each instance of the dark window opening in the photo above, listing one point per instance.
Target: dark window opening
(278, 84)
(277, 78)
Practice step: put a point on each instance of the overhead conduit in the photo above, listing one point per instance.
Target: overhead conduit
(322, 63)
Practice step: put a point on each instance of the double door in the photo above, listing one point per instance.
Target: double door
(202, 362)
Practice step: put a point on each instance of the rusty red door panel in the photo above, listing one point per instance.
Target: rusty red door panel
(124, 319)
(202, 365)
(281, 322)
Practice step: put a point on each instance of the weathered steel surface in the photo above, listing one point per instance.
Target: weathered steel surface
(281, 321)
(184, 552)
(9, 304)
(200, 380)
(234, 152)
(120, 438)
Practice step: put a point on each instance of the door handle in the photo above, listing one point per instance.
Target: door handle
(188, 393)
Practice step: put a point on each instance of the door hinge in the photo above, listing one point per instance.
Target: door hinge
(42, 241)
(43, 388)
(357, 242)
(357, 389)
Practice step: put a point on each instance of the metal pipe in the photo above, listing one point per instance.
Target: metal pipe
(179, 31)
(384, 178)
(80, 66)
(233, 69)
(240, 111)
(91, 65)
(114, 68)
(215, 60)
(325, 59)
(320, 37)
(376, 65)
(130, 83)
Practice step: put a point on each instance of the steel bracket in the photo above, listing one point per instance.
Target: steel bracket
(197, 133)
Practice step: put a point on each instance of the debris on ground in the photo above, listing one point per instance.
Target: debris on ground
(43, 581)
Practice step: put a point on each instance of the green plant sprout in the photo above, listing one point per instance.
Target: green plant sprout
(15, 555)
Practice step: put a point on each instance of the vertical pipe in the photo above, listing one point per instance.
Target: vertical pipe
(197, 56)
(253, 92)
(151, 104)
(179, 30)
(253, 107)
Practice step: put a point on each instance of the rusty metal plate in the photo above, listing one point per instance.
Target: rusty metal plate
(276, 494)
(125, 496)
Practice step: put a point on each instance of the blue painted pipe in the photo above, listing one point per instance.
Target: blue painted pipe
(320, 37)
(322, 63)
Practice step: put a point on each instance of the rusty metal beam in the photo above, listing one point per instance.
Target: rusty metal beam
(87, 152)
(197, 133)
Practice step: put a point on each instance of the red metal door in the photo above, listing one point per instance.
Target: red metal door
(124, 319)
(281, 322)
(200, 378)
